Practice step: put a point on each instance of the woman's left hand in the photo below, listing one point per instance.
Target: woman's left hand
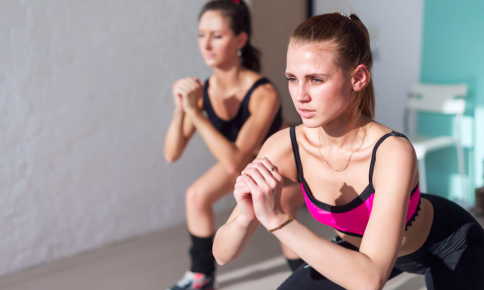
(265, 184)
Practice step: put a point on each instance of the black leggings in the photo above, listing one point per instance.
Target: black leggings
(452, 257)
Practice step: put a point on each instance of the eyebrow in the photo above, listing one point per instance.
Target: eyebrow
(308, 76)
(213, 31)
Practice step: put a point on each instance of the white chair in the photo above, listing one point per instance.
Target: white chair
(444, 99)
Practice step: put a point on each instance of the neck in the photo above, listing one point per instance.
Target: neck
(228, 76)
(339, 134)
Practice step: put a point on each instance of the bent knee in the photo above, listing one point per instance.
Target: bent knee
(196, 198)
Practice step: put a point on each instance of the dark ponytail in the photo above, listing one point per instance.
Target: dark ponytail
(239, 15)
(251, 57)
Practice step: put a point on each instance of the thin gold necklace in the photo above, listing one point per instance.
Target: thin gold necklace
(342, 168)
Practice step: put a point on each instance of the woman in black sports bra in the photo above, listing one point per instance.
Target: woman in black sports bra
(234, 111)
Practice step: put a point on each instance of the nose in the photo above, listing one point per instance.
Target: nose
(302, 94)
(208, 43)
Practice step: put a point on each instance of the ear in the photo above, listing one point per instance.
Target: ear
(242, 39)
(360, 77)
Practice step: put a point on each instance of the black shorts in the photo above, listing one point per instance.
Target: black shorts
(452, 257)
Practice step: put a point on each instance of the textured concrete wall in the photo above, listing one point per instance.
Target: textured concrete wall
(84, 105)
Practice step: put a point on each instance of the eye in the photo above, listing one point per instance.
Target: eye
(200, 35)
(291, 80)
(317, 81)
(217, 36)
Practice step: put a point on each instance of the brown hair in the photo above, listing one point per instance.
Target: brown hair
(239, 15)
(352, 42)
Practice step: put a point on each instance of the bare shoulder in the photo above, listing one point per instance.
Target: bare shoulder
(396, 145)
(278, 149)
(263, 93)
(264, 99)
(395, 157)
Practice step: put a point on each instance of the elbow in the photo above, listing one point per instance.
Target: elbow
(374, 282)
(371, 285)
(220, 262)
(170, 158)
(219, 252)
(218, 258)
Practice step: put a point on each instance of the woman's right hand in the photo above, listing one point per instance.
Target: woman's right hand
(244, 202)
(177, 94)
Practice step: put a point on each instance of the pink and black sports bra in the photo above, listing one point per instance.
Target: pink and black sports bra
(351, 218)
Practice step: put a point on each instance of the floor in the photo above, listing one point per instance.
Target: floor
(157, 260)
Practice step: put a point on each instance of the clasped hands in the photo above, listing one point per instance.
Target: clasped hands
(187, 93)
(258, 194)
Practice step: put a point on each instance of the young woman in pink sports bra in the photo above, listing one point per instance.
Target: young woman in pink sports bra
(357, 176)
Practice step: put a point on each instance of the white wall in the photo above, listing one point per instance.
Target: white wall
(84, 105)
(396, 32)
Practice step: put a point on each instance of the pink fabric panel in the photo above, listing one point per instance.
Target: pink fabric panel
(355, 220)
(413, 203)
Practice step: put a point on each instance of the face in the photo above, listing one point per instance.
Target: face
(318, 87)
(218, 44)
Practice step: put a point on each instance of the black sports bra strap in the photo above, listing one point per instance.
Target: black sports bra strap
(259, 82)
(295, 150)
(206, 100)
(373, 155)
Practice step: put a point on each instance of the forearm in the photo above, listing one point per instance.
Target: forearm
(333, 261)
(231, 239)
(175, 141)
(225, 151)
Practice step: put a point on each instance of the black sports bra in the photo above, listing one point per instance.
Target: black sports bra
(230, 129)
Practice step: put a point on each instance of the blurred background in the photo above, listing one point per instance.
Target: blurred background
(85, 102)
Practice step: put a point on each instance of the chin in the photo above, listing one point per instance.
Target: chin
(311, 123)
(210, 63)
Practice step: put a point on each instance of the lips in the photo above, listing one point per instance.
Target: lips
(306, 113)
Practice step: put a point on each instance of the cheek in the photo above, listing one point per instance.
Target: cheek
(345, 95)
(292, 90)
(224, 47)
(329, 99)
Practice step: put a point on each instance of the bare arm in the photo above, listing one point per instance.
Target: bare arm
(179, 133)
(232, 238)
(181, 128)
(371, 266)
(263, 106)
